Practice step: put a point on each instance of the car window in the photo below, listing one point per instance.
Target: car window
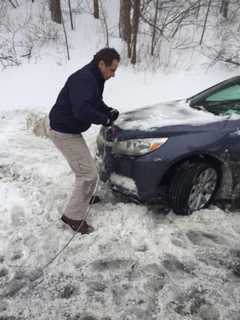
(231, 112)
(228, 94)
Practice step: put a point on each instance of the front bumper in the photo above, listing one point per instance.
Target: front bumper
(137, 177)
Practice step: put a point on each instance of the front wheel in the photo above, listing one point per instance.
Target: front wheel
(193, 187)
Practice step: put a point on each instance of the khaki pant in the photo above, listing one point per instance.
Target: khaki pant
(75, 150)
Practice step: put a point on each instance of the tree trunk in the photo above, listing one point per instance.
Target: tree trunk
(13, 4)
(198, 9)
(125, 29)
(205, 22)
(65, 35)
(105, 23)
(96, 9)
(154, 27)
(70, 13)
(224, 8)
(56, 11)
(135, 25)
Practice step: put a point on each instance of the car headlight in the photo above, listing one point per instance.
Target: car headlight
(137, 147)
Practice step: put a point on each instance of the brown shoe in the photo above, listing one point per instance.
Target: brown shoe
(80, 226)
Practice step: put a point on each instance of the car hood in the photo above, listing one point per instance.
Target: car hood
(177, 112)
(168, 118)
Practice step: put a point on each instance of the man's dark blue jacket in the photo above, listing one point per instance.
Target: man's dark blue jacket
(80, 102)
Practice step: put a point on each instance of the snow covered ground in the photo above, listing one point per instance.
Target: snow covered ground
(138, 264)
(141, 263)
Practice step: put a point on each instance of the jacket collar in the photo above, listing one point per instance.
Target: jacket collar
(96, 71)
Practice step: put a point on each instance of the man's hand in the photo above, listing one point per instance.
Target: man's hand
(108, 123)
(114, 113)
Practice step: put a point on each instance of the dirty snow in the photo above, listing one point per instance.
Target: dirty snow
(141, 263)
(124, 182)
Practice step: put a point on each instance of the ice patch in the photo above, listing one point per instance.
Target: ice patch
(123, 182)
(39, 123)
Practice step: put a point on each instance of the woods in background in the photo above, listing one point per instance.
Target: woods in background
(149, 29)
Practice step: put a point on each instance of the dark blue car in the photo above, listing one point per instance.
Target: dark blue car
(185, 153)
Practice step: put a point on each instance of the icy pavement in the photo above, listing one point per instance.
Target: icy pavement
(139, 264)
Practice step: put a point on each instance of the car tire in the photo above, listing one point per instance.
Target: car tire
(193, 187)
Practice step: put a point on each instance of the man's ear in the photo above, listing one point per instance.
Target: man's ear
(101, 64)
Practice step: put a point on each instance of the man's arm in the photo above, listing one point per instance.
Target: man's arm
(82, 94)
(110, 112)
(102, 106)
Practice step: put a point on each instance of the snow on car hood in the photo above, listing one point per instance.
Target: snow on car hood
(165, 114)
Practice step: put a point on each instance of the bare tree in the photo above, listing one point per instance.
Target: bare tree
(13, 3)
(56, 14)
(135, 25)
(205, 21)
(105, 23)
(129, 24)
(96, 9)
(125, 20)
(224, 8)
(154, 27)
(198, 9)
(125, 28)
(64, 31)
(70, 13)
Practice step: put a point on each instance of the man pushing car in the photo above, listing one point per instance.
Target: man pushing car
(80, 104)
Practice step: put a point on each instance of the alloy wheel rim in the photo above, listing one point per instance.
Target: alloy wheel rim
(203, 189)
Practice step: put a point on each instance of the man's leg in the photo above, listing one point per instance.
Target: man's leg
(77, 154)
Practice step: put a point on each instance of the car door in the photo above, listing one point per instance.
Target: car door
(226, 101)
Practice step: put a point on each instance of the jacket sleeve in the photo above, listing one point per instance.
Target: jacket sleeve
(104, 108)
(82, 95)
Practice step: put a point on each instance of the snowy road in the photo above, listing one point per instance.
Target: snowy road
(139, 264)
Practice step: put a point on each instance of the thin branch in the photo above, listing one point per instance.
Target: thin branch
(205, 22)
(104, 19)
(65, 35)
(175, 18)
(236, 63)
(12, 3)
(70, 13)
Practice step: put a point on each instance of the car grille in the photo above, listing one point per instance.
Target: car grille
(102, 141)
(104, 154)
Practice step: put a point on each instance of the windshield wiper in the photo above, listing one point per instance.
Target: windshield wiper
(201, 108)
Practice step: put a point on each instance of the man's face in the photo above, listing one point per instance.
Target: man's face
(108, 71)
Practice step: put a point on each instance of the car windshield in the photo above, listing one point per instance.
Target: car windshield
(223, 101)
(228, 94)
